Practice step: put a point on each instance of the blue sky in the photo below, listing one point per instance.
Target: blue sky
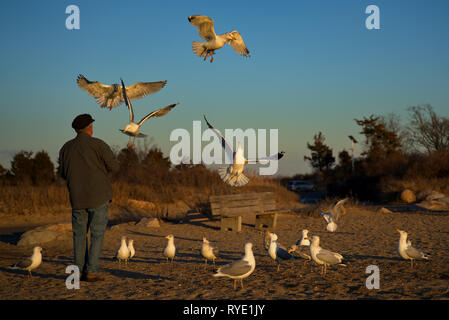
(314, 67)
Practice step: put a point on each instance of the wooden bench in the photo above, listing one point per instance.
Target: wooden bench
(231, 209)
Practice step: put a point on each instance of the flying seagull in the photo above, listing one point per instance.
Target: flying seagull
(132, 129)
(111, 96)
(239, 269)
(333, 215)
(30, 263)
(406, 250)
(206, 30)
(276, 253)
(322, 256)
(170, 249)
(122, 252)
(233, 174)
(208, 252)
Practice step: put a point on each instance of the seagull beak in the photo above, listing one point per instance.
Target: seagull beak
(398, 230)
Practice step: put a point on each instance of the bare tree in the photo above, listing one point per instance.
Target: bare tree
(428, 130)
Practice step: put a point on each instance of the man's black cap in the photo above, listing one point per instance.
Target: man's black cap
(82, 121)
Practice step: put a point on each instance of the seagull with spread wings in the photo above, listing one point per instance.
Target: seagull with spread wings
(132, 129)
(333, 215)
(206, 30)
(233, 174)
(111, 96)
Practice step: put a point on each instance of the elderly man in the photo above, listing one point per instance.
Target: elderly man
(85, 163)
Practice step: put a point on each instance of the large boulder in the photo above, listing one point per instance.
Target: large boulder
(38, 237)
(45, 234)
(149, 223)
(408, 196)
(140, 205)
(174, 211)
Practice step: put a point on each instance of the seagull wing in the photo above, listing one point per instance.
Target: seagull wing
(236, 268)
(238, 44)
(141, 89)
(127, 102)
(414, 253)
(205, 26)
(24, 263)
(226, 146)
(329, 257)
(273, 157)
(326, 216)
(283, 254)
(337, 210)
(96, 89)
(158, 113)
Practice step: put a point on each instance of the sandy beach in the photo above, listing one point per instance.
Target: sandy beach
(364, 237)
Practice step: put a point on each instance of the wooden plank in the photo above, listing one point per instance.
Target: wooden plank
(247, 204)
(243, 210)
(251, 203)
(242, 196)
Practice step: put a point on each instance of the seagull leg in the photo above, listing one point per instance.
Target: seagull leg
(241, 282)
(134, 140)
(278, 266)
(235, 284)
(129, 142)
(205, 57)
(211, 59)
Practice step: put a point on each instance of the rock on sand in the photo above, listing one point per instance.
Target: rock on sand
(408, 196)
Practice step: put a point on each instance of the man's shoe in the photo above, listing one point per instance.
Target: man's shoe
(92, 277)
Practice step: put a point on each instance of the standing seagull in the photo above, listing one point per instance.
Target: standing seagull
(406, 250)
(122, 252)
(131, 249)
(170, 249)
(206, 30)
(322, 256)
(132, 129)
(333, 216)
(233, 174)
(303, 242)
(111, 96)
(207, 251)
(30, 263)
(276, 253)
(239, 269)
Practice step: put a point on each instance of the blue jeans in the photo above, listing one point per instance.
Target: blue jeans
(82, 220)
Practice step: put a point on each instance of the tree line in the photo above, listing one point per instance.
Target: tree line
(390, 149)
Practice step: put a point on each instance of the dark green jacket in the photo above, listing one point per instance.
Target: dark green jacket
(85, 163)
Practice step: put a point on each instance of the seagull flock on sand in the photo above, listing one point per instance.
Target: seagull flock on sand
(111, 96)
(244, 267)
